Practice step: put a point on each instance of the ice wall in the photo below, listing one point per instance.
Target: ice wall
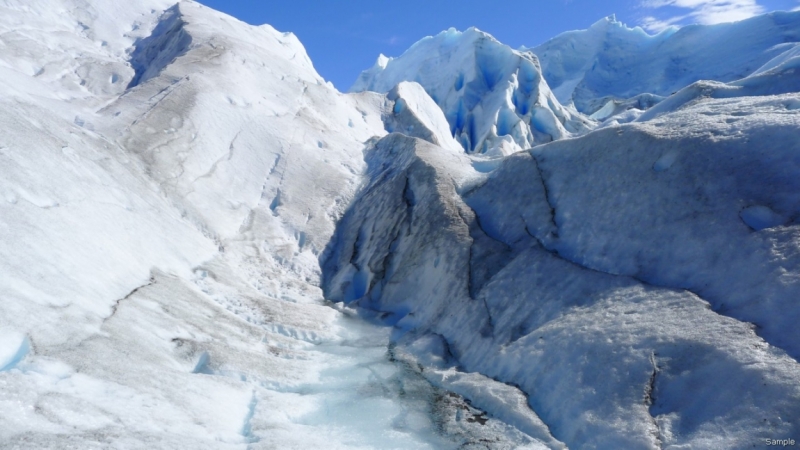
(494, 98)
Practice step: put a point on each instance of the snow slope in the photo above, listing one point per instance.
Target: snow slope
(610, 61)
(494, 98)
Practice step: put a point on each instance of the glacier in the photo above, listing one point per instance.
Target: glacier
(611, 62)
(494, 98)
(617, 324)
(592, 243)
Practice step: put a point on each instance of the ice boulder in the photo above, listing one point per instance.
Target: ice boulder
(414, 113)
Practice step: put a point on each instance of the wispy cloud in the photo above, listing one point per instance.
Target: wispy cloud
(658, 25)
(707, 12)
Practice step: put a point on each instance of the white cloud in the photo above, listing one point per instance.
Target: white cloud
(658, 25)
(707, 12)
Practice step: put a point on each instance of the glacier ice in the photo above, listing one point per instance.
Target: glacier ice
(13, 349)
(610, 61)
(205, 245)
(494, 98)
(169, 177)
(597, 305)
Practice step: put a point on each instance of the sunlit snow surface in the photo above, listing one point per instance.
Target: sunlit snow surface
(183, 198)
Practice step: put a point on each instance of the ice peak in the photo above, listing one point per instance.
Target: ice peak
(452, 36)
(494, 97)
(382, 61)
(607, 22)
(167, 41)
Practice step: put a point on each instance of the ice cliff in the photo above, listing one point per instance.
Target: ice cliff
(494, 98)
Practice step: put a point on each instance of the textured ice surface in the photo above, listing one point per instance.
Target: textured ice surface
(181, 195)
(494, 98)
(612, 61)
(414, 113)
(635, 283)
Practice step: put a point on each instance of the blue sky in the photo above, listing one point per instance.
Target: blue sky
(345, 37)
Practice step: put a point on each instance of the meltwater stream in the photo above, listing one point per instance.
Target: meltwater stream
(361, 399)
(343, 389)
